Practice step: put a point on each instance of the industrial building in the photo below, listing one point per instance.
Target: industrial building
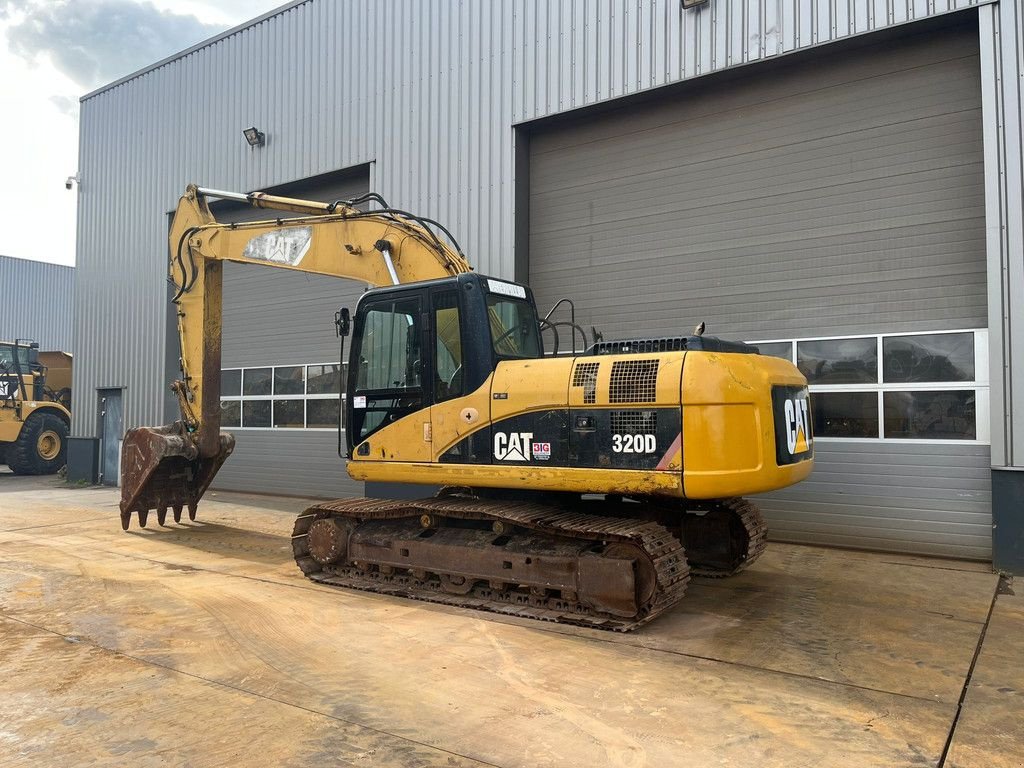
(37, 302)
(838, 182)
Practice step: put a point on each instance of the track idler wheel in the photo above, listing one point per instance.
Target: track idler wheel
(328, 540)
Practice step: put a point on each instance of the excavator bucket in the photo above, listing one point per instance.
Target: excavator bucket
(161, 468)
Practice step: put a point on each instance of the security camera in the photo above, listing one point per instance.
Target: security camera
(69, 182)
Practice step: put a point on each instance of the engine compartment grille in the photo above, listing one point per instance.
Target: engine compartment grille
(634, 422)
(671, 344)
(634, 381)
(585, 375)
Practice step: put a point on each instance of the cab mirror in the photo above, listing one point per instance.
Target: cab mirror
(342, 320)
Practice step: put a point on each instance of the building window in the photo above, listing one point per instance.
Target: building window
(282, 397)
(911, 386)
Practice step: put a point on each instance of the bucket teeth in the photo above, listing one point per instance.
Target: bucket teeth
(161, 468)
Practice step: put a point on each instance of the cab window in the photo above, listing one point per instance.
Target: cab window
(448, 376)
(514, 330)
(390, 369)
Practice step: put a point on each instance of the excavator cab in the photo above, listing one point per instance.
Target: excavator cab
(421, 344)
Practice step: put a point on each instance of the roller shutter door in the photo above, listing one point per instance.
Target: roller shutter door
(834, 195)
(273, 317)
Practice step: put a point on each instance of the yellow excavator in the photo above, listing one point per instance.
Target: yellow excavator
(584, 487)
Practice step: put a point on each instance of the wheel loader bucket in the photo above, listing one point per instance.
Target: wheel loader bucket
(161, 468)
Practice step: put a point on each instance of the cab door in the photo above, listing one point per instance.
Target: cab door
(461, 433)
(387, 386)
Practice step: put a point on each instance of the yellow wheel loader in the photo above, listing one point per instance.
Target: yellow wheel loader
(34, 417)
(582, 487)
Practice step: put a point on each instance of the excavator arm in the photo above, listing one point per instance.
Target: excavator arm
(171, 466)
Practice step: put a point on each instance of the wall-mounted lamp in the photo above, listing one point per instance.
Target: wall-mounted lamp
(255, 136)
(688, 4)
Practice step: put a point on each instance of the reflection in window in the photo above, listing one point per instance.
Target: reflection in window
(932, 415)
(256, 413)
(322, 414)
(324, 379)
(256, 381)
(389, 357)
(289, 380)
(928, 358)
(230, 383)
(230, 413)
(448, 347)
(782, 349)
(289, 414)
(845, 414)
(838, 361)
(514, 329)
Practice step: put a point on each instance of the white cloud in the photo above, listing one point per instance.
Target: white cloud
(53, 52)
(96, 41)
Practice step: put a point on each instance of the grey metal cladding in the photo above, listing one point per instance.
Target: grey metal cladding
(287, 461)
(36, 302)
(435, 114)
(841, 197)
(890, 496)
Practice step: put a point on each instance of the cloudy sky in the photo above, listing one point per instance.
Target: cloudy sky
(51, 53)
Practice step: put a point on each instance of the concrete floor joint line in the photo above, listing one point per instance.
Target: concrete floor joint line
(970, 675)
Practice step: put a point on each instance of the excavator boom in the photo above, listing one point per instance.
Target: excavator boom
(173, 465)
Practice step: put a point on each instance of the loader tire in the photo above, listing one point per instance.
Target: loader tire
(41, 447)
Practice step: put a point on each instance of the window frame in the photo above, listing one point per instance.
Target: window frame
(979, 385)
(305, 396)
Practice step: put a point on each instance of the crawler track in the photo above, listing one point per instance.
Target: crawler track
(743, 531)
(660, 570)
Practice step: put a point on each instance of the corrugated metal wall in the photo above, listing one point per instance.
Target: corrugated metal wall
(279, 317)
(434, 109)
(1001, 29)
(36, 302)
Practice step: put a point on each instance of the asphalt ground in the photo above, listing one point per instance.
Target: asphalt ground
(202, 645)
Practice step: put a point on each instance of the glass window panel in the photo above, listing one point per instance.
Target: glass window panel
(931, 415)
(389, 356)
(845, 414)
(448, 347)
(514, 329)
(230, 383)
(783, 349)
(289, 414)
(230, 413)
(256, 413)
(839, 361)
(322, 413)
(324, 379)
(289, 380)
(256, 381)
(931, 357)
